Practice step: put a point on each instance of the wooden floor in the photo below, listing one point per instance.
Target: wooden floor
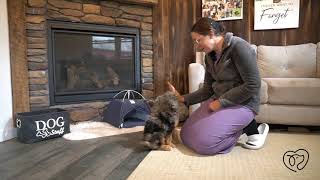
(113, 157)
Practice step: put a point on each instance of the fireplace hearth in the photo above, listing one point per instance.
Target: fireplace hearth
(91, 62)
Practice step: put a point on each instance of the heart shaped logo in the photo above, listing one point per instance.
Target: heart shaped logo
(296, 160)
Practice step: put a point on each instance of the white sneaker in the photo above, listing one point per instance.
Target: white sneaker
(256, 141)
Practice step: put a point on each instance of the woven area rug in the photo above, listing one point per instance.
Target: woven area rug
(90, 130)
(240, 163)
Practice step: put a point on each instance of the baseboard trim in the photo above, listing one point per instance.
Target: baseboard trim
(7, 134)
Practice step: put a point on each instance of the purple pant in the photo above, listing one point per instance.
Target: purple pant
(209, 133)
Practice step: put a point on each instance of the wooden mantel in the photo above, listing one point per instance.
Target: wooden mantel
(140, 2)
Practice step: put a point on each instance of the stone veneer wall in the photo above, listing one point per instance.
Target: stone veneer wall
(87, 11)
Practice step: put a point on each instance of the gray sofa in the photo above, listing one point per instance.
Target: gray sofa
(290, 85)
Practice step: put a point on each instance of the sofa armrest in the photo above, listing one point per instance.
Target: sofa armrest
(263, 92)
(196, 73)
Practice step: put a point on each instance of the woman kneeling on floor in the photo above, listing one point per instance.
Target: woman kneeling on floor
(230, 93)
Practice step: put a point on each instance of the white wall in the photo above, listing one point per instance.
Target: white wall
(7, 131)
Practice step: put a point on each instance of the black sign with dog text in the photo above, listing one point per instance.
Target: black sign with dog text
(41, 125)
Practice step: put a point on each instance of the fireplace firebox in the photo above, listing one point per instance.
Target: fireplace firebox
(91, 62)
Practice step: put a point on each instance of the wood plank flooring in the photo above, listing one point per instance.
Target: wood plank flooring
(113, 157)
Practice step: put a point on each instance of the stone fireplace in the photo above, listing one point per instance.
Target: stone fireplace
(82, 52)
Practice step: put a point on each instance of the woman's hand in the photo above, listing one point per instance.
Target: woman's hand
(173, 89)
(215, 105)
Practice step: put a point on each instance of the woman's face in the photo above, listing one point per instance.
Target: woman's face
(203, 43)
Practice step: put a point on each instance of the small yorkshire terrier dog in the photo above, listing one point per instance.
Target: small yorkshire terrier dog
(166, 113)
